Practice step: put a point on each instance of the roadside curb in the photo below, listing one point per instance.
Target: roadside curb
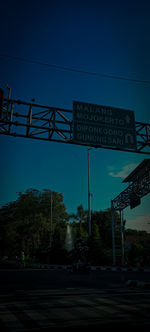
(138, 284)
(89, 268)
(119, 268)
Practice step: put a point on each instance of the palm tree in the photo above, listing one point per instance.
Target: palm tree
(80, 216)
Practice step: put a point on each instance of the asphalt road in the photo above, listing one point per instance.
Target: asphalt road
(37, 300)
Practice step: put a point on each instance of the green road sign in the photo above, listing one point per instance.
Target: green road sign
(103, 126)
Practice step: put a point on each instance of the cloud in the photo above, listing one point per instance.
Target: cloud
(141, 223)
(124, 172)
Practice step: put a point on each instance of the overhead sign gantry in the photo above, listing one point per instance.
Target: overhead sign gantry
(87, 124)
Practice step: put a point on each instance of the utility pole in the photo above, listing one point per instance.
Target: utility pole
(89, 194)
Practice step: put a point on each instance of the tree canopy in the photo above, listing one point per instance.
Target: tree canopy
(27, 222)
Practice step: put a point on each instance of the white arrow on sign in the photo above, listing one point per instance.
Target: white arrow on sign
(129, 139)
(127, 118)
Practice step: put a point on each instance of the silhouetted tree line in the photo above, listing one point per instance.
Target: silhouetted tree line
(36, 224)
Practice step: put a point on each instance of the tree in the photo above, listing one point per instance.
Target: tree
(81, 218)
(102, 220)
(26, 222)
(137, 247)
(100, 243)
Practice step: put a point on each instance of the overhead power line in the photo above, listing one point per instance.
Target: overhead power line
(116, 77)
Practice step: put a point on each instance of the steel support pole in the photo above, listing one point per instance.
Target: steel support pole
(89, 195)
(51, 220)
(122, 237)
(113, 234)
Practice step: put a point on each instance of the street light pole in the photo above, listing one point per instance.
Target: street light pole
(89, 194)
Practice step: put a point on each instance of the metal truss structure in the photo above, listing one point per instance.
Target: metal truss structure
(30, 120)
(21, 119)
(139, 187)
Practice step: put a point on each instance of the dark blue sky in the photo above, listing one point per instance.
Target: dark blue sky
(110, 37)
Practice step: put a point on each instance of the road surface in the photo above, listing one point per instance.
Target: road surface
(37, 300)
